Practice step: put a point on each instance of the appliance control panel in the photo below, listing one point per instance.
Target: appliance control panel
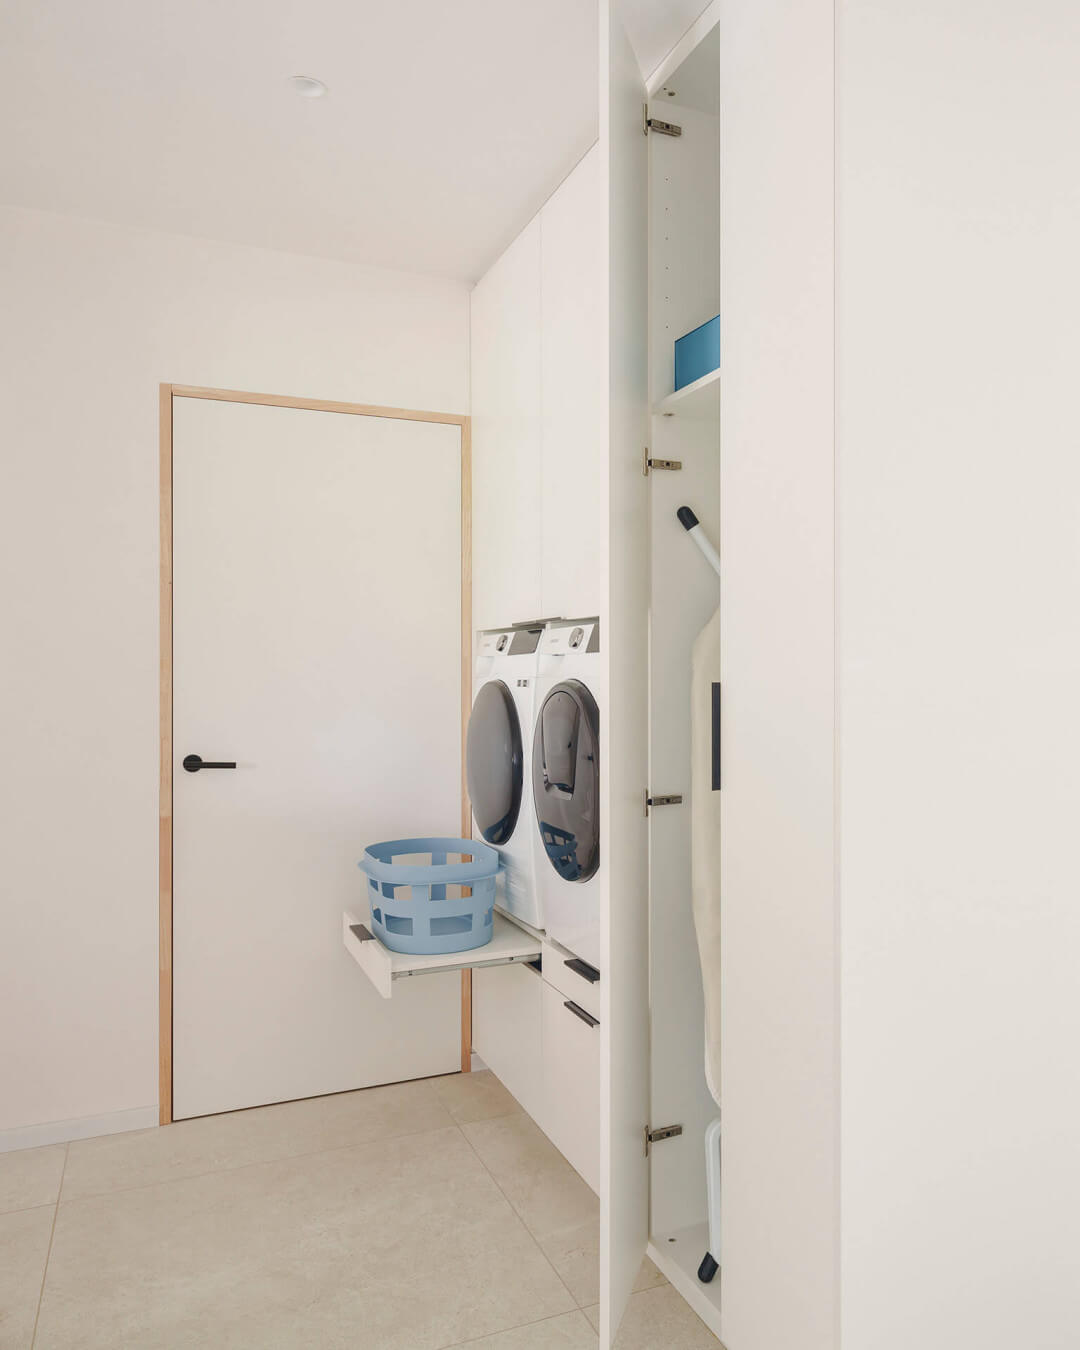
(506, 642)
(570, 636)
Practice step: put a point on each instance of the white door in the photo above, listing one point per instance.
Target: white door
(316, 637)
(624, 1177)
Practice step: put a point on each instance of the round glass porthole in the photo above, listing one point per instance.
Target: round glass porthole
(566, 780)
(494, 762)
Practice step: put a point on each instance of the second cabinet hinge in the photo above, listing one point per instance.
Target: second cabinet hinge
(658, 1136)
(671, 799)
(656, 124)
(647, 464)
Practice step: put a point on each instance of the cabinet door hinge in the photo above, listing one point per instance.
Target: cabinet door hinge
(672, 799)
(647, 464)
(655, 124)
(658, 1136)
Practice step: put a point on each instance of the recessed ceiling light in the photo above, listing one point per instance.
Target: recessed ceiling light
(308, 87)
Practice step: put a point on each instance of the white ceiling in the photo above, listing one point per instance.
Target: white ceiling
(448, 122)
(654, 27)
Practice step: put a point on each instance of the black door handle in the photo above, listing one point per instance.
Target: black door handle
(193, 763)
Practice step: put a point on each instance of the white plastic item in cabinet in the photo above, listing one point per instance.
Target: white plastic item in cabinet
(506, 1031)
(571, 1038)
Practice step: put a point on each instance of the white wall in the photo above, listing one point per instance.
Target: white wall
(94, 317)
(959, 522)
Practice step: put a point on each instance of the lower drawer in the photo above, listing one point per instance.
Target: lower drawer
(571, 1038)
(507, 1016)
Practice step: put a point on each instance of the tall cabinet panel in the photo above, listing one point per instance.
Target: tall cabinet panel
(506, 436)
(777, 875)
(573, 334)
(958, 514)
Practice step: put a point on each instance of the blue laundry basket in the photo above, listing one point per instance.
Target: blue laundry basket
(410, 911)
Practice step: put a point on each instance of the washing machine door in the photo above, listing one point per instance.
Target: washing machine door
(494, 763)
(566, 780)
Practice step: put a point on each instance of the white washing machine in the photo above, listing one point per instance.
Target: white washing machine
(498, 757)
(570, 685)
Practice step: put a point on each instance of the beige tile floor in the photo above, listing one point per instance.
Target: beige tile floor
(418, 1216)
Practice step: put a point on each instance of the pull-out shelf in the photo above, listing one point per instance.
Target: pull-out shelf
(383, 967)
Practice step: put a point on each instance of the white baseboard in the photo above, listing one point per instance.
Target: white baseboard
(85, 1127)
(476, 1064)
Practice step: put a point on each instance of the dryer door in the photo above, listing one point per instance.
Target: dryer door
(494, 762)
(566, 780)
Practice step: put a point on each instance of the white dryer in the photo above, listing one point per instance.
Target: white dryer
(570, 686)
(498, 757)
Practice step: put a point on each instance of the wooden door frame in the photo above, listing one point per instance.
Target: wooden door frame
(166, 394)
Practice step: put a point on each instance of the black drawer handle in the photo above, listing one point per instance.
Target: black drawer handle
(193, 763)
(587, 1018)
(582, 968)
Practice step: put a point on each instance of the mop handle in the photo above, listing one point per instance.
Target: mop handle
(693, 528)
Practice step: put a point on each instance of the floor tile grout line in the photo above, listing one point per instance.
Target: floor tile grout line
(258, 1162)
(48, 1253)
(452, 1122)
(477, 1340)
(25, 1209)
(521, 1220)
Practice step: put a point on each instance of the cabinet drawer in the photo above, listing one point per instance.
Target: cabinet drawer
(572, 1082)
(578, 981)
(507, 1031)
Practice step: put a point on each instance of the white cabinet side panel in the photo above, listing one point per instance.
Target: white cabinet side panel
(959, 515)
(780, 1194)
(506, 436)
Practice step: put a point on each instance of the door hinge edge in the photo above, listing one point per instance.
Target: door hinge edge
(658, 1136)
(647, 464)
(662, 799)
(657, 124)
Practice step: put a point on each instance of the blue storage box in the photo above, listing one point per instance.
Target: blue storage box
(410, 908)
(698, 353)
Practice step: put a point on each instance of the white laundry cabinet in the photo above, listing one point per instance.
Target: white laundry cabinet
(540, 504)
(879, 202)
(626, 256)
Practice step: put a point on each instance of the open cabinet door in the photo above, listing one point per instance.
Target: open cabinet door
(624, 1185)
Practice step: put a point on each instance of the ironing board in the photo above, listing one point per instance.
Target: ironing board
(705, 868)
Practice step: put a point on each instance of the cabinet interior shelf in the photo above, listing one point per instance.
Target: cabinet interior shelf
(700, 400)
(382, 966)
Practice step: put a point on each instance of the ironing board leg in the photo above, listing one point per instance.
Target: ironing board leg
(710, 1261)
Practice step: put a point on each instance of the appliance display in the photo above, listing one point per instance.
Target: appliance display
(498, 756)
(565, 788)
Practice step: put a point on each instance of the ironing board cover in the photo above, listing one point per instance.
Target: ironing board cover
(705, 839)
